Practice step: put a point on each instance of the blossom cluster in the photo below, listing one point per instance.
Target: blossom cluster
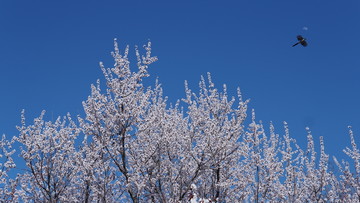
(132, 146)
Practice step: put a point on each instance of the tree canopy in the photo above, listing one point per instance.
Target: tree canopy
(133, 146)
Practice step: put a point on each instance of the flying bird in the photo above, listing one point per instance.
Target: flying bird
(301, 41)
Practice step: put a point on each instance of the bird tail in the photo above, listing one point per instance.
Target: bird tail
(295, 44)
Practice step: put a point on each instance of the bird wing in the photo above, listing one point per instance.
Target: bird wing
(299, 37)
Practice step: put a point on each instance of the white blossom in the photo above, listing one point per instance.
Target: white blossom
(132, 146)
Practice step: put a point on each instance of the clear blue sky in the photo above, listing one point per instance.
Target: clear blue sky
(50, 51)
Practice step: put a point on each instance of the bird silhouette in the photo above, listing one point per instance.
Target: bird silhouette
(301, 41)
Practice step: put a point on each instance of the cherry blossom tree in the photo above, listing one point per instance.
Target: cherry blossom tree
(7, 185)
(49, 152)
(133, 146)
(349, 186)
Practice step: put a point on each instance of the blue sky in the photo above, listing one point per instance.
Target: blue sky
(50, 51)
